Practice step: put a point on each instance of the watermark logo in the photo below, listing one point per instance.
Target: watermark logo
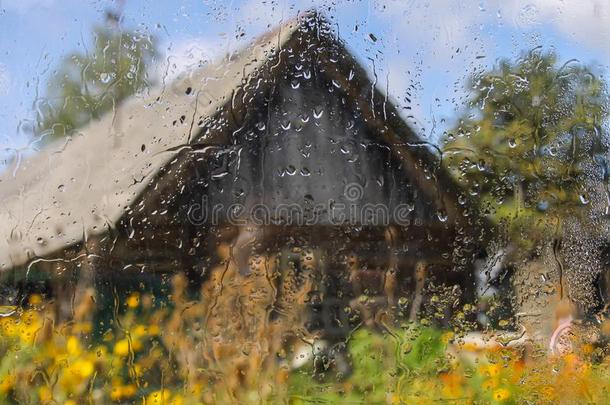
(352, 209)
(353, 192)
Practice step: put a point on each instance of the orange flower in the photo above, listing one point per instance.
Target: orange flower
(452, 384)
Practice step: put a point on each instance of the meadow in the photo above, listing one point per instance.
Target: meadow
(156, 352)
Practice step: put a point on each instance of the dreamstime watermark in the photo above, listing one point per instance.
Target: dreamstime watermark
(352, 210)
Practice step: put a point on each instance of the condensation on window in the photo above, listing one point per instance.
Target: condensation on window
(304, 202)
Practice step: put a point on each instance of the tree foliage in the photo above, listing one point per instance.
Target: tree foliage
(531, 139)
(88, 84)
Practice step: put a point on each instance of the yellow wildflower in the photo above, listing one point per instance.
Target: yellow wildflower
(129, 390)
(548, 392)
(45, 394)
(159, 397)
(153, 330)
(197, 389)
(82, 368)
(501, 394)
(447, 337)
(35, 299)
(394, 399)
(139, 331)
(121, 348)
(122, 391)
(177, 400)
(73, 346)
(30, 323)
(7, 383)
(101, 351)
(133, 300)
(490, 383)
(493, 370)
(116, 394)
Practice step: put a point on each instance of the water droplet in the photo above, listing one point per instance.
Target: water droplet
(7, 310)
(543, 205)
(536, 100)
(220, 175)
(584, 200)
(442, 215)
(105, 78)
(528, 15)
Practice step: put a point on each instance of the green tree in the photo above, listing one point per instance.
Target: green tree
(88, 84)
(530, 142)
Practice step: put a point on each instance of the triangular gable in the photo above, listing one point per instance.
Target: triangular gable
(83, 186)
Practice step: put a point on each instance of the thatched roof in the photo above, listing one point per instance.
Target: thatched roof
(82, 186)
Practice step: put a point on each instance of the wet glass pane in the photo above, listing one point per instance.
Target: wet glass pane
(304, 202)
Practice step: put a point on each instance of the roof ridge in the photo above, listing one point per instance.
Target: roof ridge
(85, 182)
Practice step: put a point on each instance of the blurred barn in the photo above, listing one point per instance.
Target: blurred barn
(282, 160)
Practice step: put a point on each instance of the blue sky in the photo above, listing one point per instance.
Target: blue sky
(424, 53)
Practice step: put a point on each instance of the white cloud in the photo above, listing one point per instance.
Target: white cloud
(254, 17)
(187, 54)
(437, 44)
(447, 24)
(586, 21)
(430, 34)
(259, 14)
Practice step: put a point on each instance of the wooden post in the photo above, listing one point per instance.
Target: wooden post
(82, 305)
(390, 285)
(421, 272)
